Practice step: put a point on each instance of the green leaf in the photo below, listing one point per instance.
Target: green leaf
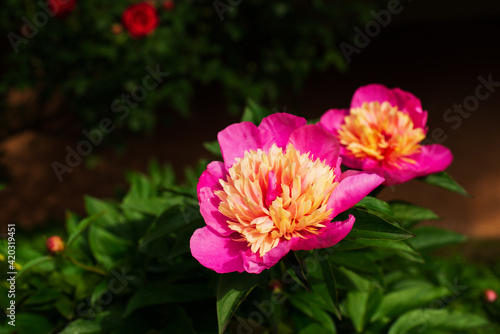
(315, 328)
(369, 226)
(232, 290)
(294, 269)
(445, 181)
(169, 221)
(430, 237)
(213, 147)
(28, 323)
(165, 292)
(254, 113)
(110, 216)
(377, 208)
(31, 264)
(417, 321)
(80, 228)
(360, 305)
(359, 260)
(359, 283)
(44, 296)
(402, 247)
(152, 206)
(82, 326)
(410, 212)
(310, 304)
(107, 248)
(323, 284)
(71, 222)
(331, 285)
(65, 306)
(400, 301)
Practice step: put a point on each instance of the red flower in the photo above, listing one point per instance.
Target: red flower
(140, 19)
(61, 8)
(168, 4)
(55, 244)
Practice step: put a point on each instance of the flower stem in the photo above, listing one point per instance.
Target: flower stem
(88, 268)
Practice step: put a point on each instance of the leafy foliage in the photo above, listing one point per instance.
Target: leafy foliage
(127, 268)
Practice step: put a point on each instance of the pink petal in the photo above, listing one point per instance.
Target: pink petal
(240, 137)
(273, 188)
(209, 202)
(410, 103)
(216, 252)
(431, 159)
(350, 161)
(328, 236)
(338, 170)
(353, 186)
(373, 92)
(333, 119)
(313, 138)
(405, 101)
(280, 126)
(254, 263)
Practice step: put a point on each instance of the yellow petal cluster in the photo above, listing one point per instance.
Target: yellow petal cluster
(299, 209)
(381, 132)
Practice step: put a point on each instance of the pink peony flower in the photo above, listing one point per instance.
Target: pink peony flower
(382, 133)
(278, 189)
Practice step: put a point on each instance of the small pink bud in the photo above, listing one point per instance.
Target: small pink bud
(490, 296)
(55, 244)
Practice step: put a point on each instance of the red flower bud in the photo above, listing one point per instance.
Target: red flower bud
(490, 296)
(116, 28)
(55, 244)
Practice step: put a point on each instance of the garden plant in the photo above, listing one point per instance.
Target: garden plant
(283, 233)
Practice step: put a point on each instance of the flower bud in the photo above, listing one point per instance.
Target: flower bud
(490, 296)
(275, 286)
(117, 28)
(55, 244)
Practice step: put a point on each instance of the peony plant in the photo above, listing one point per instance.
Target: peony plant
(284, 241)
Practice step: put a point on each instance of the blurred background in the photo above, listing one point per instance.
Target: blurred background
(65, 74)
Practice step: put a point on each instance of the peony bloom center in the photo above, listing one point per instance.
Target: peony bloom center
(381, 132)
(276, 195)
